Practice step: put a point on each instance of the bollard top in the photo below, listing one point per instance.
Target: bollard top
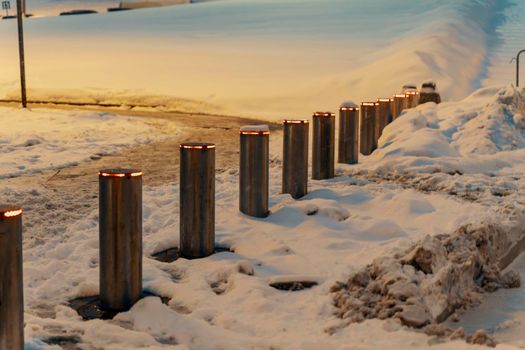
(119, 172)
(296, 121)
(323, 114)
(9, 211)
(197, 145)
(369, 104)
(348, 108)
(255, 130)
(384, 100)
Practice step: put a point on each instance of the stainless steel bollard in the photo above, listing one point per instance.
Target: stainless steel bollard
(120, 215)
(397, 105)
(197, 199)
(367, 128)
(348, 135)
(384, 115)
(254, 170)
(323, 151)
(295, 157)
(11, 279)
(411, 99)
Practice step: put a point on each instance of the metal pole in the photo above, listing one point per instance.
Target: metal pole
(11, 279)
(323, 150)
(254, 170)
(412, 99)
(295, 158)
(367, 126)
(518, 67)
(384, 115)
(397, 105)
(120, 215)
(197, 199)
(21, 52)
(348, 135)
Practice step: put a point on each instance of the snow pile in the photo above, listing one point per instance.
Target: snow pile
(483, 133)
(433, 279)
(39, 140)
(269, 58)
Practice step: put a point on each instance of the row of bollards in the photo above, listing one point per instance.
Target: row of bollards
(120, 200)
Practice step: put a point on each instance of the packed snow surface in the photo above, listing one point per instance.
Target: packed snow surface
(266, 58)
(40, 140)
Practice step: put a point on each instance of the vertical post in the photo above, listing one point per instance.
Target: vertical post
(397, 105)
(367, 127)
(384, 115)
(348, 135)
(21, 52)
(411, 98)
(254, 170)
(323, 152)
(120, 233)
(197, 199)
(11, 279)
(518, 67)
(295, 158)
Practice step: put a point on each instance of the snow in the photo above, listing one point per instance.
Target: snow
(270, 58)
(39, 140)
(343, 224)
(256, 128)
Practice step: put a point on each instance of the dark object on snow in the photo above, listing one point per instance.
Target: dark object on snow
(428, 93)
(116, 9)
(295, 157)
(254, 171)
(197, 199)
(368, 142)
(323, 148)
(293, 286)
(11, 291)
(120, 217)
(349, 134)
(77, 12)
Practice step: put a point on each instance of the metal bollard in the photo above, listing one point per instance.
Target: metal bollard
(411, 99)
(254, 170)
(367, 128)
(348, 134)
(384, 115)
(11, 279)
(323, 157)
(120, 215)
(197, 199)
(397, 105)
(295, 157)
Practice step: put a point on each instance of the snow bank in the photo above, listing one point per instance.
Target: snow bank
(268, 58)
(39, 140)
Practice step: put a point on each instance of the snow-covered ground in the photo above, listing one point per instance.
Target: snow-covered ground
(266, 58)
(225, 301)
(40, 140)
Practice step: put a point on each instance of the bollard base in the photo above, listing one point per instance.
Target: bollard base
(293, 286)
(89, 307)
(171, 254)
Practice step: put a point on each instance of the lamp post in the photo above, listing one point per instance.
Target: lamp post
(20, 10)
